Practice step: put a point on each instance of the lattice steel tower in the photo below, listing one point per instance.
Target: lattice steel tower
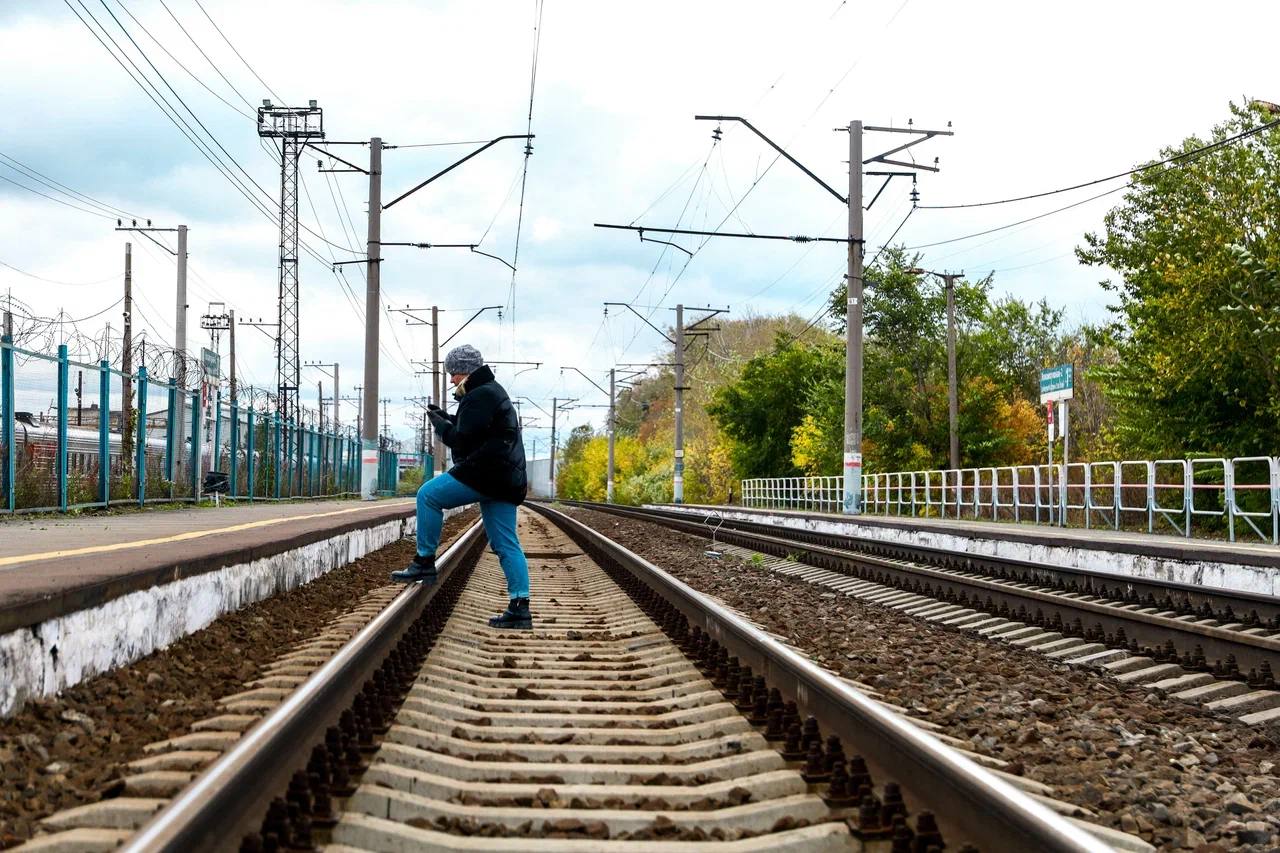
(293, 126)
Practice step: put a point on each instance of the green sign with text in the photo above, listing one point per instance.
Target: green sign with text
(1057, 383)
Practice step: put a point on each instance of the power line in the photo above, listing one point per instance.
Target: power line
(237, 53)
(55, 281)
(177, 61)
(58, 200)
(148, 88)
(1176, 158)
(524, 175)
(1020, 221)
(212, 64)
(57, 186)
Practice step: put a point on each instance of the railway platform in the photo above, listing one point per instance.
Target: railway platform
(1239, 566)
(81, 595)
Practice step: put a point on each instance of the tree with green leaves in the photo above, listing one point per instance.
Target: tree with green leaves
(759, 411)
(1196, 245)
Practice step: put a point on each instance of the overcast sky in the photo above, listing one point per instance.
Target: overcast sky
(1038, 97)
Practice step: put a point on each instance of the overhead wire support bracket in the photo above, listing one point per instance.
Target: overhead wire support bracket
(922, 136)
(776, 147)
(446, 170)
(473, 247)
(645, 319)
(792, 238)
(644, 239)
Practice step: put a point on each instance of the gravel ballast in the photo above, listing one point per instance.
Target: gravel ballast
(1178, 776)
(67, 750)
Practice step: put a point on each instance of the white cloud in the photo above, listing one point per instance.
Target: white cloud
(1040, 96)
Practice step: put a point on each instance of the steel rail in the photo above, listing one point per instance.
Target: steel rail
(965, 797)
(229, 799)
(1147, 626)
(1093, 581)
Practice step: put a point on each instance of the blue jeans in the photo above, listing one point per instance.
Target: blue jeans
(444, 492)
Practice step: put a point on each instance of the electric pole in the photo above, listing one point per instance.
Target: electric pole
(852, 502)
(953, 402)
(677, 482)
(679, 346)
(437, 389)
(231, 343)
(126, 364)
(180, 316)
(552, 466)
(325, 367)
(613, 409)
(953, 398)
(853, 331)
(294, 127)
(608, 425)
(372, 305)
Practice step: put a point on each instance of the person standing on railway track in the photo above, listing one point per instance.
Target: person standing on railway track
(484, 440)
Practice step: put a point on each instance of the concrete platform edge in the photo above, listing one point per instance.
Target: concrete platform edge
(1195, 564)
(45, 656)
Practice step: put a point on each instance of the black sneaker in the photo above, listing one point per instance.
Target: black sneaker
(516, 615)
(421, 570)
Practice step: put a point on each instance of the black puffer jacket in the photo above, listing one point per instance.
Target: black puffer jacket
(484, 440)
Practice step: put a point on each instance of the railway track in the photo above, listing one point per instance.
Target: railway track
(1224, 644)
(638, 714)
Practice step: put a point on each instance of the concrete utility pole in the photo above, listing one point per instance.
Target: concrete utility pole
(320, 401)
(852, 502)
(231, 328)
(126, 364)
(677, 484)
(372, 306)
(613, 429)
(437, 388)
(554, 405)
(180, 342)
(853, 332)
(953, 403)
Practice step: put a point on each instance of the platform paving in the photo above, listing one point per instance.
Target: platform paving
(53, 566)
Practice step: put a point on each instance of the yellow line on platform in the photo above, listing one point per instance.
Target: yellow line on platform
(177, 537)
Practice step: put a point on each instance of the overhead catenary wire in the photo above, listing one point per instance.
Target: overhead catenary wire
(56, 281)
(1128, 173)
(1047, 213)
(257, 76)
(58, 186)
(87, 210)
(539, 5)
(179, 62)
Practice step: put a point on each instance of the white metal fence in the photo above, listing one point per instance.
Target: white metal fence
(1216, 497)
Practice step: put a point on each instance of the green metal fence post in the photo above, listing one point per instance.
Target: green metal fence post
(249, 456)
(275, 453)
(140, 464)
(197, 422)
(63, 391)
(171, 440)
(216, 456)
(234, 469)
(9, 464)
(104, 432)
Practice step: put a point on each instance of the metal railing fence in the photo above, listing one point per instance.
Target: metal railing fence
(68, 440)
(1217, 497)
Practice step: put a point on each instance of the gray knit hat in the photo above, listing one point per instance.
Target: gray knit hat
(464, 359)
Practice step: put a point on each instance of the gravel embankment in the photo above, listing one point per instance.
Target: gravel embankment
(1178, 776)
(64, 751)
